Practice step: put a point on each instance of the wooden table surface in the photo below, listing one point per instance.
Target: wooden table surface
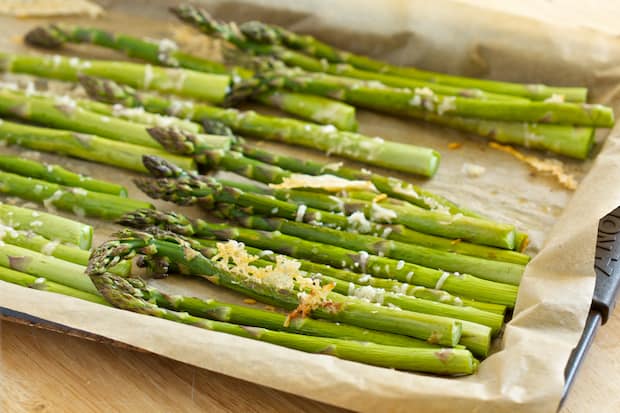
(45, 371)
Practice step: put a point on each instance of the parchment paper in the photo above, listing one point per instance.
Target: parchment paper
(526, 373)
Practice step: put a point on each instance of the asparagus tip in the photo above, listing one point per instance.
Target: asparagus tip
(45, 37)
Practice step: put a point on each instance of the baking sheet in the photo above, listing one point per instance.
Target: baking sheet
(527, 374)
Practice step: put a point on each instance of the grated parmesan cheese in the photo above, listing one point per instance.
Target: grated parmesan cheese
(327, 182)
(553, 167)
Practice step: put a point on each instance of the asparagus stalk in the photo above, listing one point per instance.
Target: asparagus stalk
(236, 162)
(418, 102)
(374, 151)
(461, 285)
(41, 283)
(59, 175)
(64, 113)
(276, 321)
(76, 200)
(138, 115)
(434, 329)
(121, 293)
(41, 265)
(83, 146)
(489, 270)
(205, 86)
(170, 221)
(190, 189)
(393, 187)
(166, 53)
(269, 34)
(47, 225)
(398, 299)
(324, 202)
(393, 232)
(34, 242)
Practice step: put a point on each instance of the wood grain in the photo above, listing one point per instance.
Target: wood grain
(45, 371)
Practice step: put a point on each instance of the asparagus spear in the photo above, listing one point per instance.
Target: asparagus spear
(166, 53)
(193, 189)
(41, 283)
(398, 299)
(437, 330)
(76, 200)
(47, 225)
(64, 113)
(253, 169)
(273, 320)
(58, 174)
(83, 146)
(374, 151)
(460, 285)
(265, 34)
(122, 293)
(206, 86)
(210, 308)
(170, 221)
(418, 102)
(55, 248)
(416, 254)
(138, 115)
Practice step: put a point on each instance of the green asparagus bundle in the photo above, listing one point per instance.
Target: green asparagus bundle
(186, 188)
(256, 35)
(461, 285)
(373, 151)
(166, 53)
(403, 212)
(206, 86)
(415, 303)
(59, 175)
(271, 167)
(68, 274)
(418, 102)
(281, 292)
(129, 294)
(389, 350)
(84, 146)
(429, 101)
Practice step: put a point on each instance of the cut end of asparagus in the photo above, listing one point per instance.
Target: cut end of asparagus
(45, 37)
